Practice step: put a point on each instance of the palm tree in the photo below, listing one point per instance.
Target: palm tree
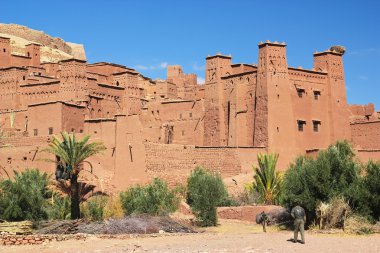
(72, 153)
(267, 180)
(85, 190)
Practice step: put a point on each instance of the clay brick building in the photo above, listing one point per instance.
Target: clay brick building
(167, 127)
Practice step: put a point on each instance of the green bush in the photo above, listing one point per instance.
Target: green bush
(332, 174)
(24, 197)
(93, 208)
(365, 194)
(205, 192)
(155, 198)
(59, 208)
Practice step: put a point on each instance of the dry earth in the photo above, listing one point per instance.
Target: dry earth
(230, 236)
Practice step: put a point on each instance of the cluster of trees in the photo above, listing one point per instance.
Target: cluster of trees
(334, 173)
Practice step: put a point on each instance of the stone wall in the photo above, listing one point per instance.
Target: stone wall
(174, 162)
(10, 239)
(246, 213)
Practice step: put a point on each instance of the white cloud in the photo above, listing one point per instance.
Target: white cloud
(140, 67)
(196, 67)
(161, 65)
(363, 78)
(200, 80)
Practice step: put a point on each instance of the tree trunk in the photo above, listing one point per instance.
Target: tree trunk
(74, 187)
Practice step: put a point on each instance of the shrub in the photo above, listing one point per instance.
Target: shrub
(205, 192)
(113, 208)
(155, 199)
(365, 194)
(93, 209)
(311, 181)
(24, 197)
(59, 208)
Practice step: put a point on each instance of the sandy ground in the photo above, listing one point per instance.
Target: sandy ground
(229, 237)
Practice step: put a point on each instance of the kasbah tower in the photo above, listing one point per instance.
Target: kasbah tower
(165, 128)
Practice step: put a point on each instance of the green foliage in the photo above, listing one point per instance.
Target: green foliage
(311, 181)
(267, 181)
(205, 192)
(24, 197)
(365, 194)
(155, 199)
(93, 209)
(59, 208)
(72, 154)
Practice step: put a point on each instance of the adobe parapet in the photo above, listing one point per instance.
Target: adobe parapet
(268, 43)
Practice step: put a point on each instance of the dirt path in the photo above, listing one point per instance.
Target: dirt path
(230, 237)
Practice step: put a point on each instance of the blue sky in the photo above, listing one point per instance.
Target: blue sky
(148, 35)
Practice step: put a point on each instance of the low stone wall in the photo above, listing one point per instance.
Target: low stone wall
(245, 213)
(10, 239)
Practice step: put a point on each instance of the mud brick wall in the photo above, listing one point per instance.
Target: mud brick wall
(366, 135)
(174, 162)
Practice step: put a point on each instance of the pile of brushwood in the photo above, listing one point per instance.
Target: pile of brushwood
(136, 224)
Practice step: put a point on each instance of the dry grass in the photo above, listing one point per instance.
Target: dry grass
(356, 224)
(113, 208)
(333, 214)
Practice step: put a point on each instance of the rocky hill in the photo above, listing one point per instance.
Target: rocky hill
(52, 50)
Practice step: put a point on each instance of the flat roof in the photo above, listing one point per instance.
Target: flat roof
(14, 67)
(43, 83)
(309, 71)
(268, 43)
(57, 101)
(73, 59)
(327, 52)
(240, 74)
(99, 119)
(219, 56)
(111, 86)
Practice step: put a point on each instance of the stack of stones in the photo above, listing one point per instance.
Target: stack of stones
(12, 239)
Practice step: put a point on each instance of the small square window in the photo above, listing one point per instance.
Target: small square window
(190, 115)
(301, 124)
(317, 94)
(51, 131)
(183, 132)
(35, 132)
(316, 124)
(300, 92)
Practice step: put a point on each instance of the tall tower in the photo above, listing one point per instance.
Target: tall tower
(215, 119)
(33, 51)
(74, 86)
(331, 61)
(275, 124)
(5, 52)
